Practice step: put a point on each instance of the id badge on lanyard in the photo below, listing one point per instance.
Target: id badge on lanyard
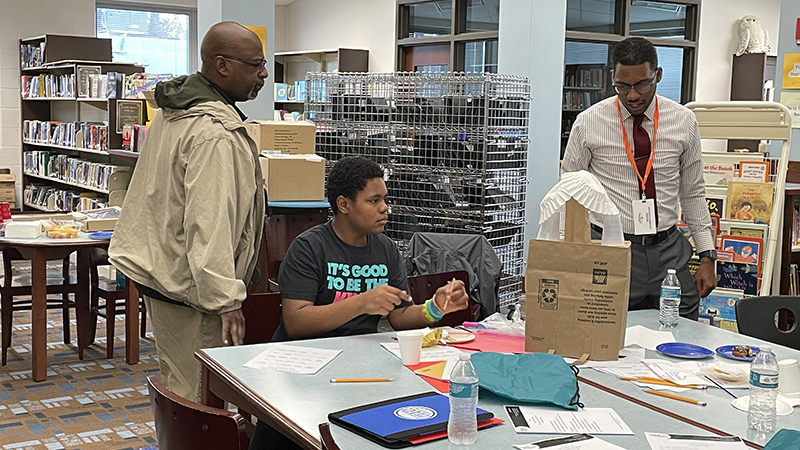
(644, 211)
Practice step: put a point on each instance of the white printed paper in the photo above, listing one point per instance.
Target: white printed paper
(428, 354)
(292, 358)
(533, 419)
(660, 441)
(646, 337)
(667, 371)
(576, 442)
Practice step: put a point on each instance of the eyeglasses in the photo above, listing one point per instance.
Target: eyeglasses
(261, 65)
(642, 87)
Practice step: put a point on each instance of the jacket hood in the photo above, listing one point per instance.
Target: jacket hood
(185, 92)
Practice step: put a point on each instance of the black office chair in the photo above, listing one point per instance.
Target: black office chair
(758, 317)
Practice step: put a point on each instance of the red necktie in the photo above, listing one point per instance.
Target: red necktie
(641, 153)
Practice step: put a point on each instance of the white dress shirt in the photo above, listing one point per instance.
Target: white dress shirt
(596, 145)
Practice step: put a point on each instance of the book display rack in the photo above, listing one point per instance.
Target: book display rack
(73, 110)
(454, 149)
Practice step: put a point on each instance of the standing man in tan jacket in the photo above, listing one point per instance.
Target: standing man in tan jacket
(193, 216)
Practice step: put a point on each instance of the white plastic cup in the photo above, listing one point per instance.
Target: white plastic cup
(789, 378)
(410, 346)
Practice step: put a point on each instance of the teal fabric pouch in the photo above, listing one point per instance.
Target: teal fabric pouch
(532, 378)
(783, 439)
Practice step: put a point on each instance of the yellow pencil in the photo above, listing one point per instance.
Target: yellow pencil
(676, 397)
(360, 380)
(663, 382)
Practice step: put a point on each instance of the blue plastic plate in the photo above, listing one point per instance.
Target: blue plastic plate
(101, 235)
(727, 351)
(684, 350)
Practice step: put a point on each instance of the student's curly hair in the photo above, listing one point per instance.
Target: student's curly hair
(349, 176)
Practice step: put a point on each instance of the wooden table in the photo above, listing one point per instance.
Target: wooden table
(43, 249)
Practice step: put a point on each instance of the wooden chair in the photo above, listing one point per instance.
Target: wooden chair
(185, 425)
(262, 315)
(114, 301)
(760, 317)
(423, 287)
(326, 437)
(8, 305)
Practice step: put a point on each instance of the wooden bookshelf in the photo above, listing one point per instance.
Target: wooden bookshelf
(59, 57)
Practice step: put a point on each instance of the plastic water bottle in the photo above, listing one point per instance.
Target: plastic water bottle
(761, 413)
(670, 300)
(462, 427)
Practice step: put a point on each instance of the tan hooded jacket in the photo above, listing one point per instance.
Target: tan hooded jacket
(193, 216)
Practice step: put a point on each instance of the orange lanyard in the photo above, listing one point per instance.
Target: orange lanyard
(642, 179)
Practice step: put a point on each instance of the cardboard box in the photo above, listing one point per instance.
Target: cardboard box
(294, 177)
(294, 138)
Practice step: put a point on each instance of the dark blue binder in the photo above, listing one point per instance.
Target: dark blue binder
(392, 423)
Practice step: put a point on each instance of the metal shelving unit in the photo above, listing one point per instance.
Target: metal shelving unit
(454, 150)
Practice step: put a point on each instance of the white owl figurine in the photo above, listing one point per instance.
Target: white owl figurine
(752, 36)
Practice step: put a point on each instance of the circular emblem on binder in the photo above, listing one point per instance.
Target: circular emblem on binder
(415, 413)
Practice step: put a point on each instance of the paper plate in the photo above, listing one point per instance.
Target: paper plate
(684, 350)
(742, 403)
(454, 336)
(101, 235)
(727, 351)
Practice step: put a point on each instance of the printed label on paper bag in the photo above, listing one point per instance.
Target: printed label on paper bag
(548, 294)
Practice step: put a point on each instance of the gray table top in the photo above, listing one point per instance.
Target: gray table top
(307, 399)
(719, 413)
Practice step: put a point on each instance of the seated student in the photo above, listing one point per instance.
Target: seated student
(340, 277)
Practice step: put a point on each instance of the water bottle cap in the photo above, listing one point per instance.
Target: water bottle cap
(463, 356)
(671, 271)
(766, 348)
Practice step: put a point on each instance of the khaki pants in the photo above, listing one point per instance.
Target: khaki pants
(179, 331)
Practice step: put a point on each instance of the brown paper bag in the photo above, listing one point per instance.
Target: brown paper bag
(577, 293)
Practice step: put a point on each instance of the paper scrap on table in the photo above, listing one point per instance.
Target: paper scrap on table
(533, 419)
(647, 338)
(661, 441)
(575, 442)
(440, 370)
(627, 355)
(634, 370)
(668, 371)
(727, 375)
(428, 354)
(292, 358)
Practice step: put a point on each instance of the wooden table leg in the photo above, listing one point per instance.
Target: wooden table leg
(39, 315)
(206, 396)
(131, 322)
(82, 307)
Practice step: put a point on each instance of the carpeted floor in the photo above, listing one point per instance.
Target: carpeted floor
(94, 404)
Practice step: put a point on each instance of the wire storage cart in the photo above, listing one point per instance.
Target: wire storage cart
(453, 148)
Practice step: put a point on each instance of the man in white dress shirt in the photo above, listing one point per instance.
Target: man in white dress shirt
(645, 150)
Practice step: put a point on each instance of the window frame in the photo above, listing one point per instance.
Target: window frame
(160, 8)
(689, 44)
(457, 36)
